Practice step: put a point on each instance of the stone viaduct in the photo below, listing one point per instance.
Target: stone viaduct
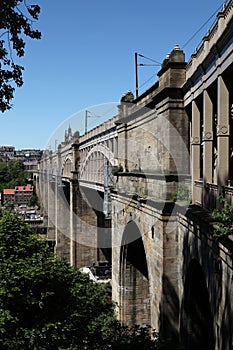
(137, 192)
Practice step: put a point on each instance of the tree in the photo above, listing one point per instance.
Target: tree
(47, 304)
(13, 174)
(44, 302)
(34, 201)
(16, 23)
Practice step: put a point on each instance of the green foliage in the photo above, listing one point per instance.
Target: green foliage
(134, 338)
(9, 206)
(16, 20)
(117, 169)
(182, 193)
(34, 201)
(12, 174)
(140, 337)
(47, 304)
(223, 218)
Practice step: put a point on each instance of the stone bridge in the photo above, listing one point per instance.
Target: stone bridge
(136, 193)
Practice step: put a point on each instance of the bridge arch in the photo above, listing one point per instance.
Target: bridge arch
(197, 320)
(101, 155)
(67, 167)
(133, 278)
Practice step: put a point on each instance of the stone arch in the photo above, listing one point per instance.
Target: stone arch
(67, 167)
(98, 149)
(197, 320)
(134, 280)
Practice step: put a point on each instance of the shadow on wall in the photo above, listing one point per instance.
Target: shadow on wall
(188, 323)
(134, 282)
(196, 318)
(198, 308)
(169, 317)
(207, 314)
(226, 330)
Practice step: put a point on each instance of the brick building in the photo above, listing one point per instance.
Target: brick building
(19, 195)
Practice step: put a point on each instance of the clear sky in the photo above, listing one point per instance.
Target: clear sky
(86, 59)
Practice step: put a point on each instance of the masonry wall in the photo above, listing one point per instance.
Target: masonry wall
(150, 227)
(198, 244)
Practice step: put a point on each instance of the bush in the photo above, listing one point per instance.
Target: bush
(223, 218)
(182, 193)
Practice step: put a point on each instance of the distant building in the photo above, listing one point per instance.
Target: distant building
(8, 196)
(19, 195)
(29, 157)
(6, 153)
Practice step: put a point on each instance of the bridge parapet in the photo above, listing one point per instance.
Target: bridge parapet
(101, 129)
(210, 40)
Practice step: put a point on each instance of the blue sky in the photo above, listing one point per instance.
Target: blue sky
(86, 59)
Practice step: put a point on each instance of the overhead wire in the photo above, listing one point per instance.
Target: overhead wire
(158, 63)
(145, 82)
(202, 26)
(100, 116)
(150, 59)
(185, 44)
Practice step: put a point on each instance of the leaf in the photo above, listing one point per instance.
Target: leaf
(16, 23)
